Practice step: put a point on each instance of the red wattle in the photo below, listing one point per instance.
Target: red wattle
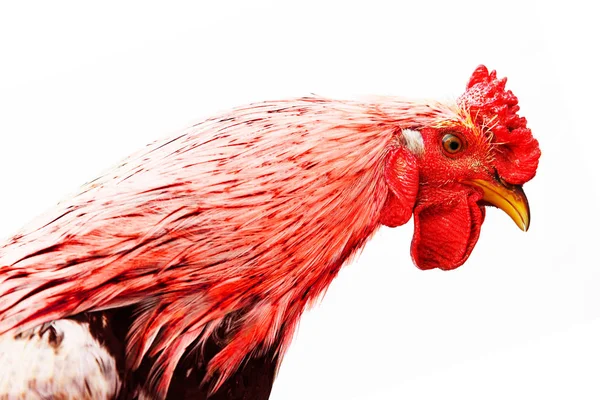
(445, 234)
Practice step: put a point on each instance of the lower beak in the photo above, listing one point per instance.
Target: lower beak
(509, 198)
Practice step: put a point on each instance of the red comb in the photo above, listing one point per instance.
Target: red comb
(493, 107)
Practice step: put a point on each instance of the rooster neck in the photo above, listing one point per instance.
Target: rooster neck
(252, 213)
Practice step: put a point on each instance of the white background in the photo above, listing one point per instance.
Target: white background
(82, 86)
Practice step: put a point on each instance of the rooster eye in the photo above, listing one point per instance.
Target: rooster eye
(452, 144)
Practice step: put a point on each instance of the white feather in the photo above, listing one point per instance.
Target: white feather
(414, 141)
(65, 362)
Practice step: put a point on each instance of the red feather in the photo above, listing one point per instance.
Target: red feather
(253, 212)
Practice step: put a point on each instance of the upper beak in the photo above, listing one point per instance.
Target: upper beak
(509, 198)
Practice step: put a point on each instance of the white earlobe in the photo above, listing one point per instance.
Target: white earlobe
(414, 141)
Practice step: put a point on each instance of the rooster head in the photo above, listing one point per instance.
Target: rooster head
(480, 155)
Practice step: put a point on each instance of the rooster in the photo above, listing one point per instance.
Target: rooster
(183, 272)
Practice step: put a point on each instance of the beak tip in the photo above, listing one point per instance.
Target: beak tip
(526, 223)
(522, 217)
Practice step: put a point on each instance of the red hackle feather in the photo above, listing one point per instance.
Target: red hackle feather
(243, 219)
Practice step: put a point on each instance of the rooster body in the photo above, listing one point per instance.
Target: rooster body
(190, 264)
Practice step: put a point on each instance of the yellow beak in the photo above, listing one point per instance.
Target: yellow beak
(509, 198)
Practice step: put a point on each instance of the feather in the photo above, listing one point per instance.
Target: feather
(250, 213)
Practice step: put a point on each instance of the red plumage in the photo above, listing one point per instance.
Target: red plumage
(242, 221)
